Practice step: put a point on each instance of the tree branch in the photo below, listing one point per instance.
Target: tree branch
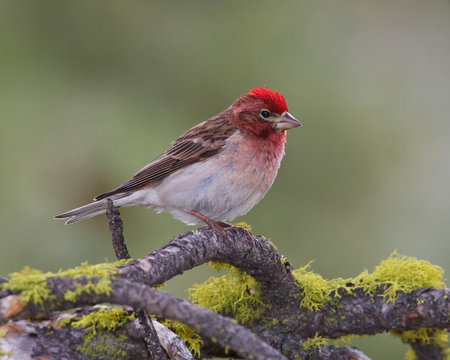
(256, 256)
(285, 324)
(138, 296)
(116, 229)
(148, 331)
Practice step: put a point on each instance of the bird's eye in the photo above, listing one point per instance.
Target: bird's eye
(265, 114)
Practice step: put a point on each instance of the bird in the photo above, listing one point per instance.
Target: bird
(214, 172)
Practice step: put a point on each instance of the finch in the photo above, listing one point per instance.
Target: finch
(216, 171)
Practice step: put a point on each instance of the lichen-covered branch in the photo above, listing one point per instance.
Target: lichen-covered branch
(148, 331)
(98, 332)
(138, 296)
(254, 255)
(279, 310)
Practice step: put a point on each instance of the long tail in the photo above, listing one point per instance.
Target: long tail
(83, 212)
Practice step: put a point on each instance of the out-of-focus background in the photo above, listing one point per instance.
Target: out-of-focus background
(92, 91)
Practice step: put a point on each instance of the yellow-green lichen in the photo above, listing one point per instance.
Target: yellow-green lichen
(344, 340)
(99, 325)
(32, 283)
(284, 260)
(5, 353)
(236, 294)
(411, 355)
(316, 341)
(188, 335)
(106, 347)
(108, 319)
(397, 273)
(403, 273)
(103, 286)
(243, 225)
(316, 290)
(425, 336)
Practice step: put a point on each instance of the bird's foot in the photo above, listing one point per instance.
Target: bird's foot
(224, 224)
(217, 226)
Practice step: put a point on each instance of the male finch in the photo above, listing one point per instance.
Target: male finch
(216, 171)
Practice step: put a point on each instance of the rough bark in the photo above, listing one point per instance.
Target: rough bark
(279, 334)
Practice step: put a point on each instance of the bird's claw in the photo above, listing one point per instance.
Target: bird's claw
(218, 226)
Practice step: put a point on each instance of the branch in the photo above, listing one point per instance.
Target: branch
(116, 229)
(138, 296)
(148, 331)
(56, 339)
(352, 313)
(254, 255)
(370, 314)
(284, 326)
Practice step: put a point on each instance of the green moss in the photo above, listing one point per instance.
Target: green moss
(236, 294)
(188, 335)
(32, 284)
(316, 341)
(98, 342)
(2, 333)
(399, 273)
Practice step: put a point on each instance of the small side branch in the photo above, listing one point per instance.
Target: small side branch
(148, 331)
(116, 228)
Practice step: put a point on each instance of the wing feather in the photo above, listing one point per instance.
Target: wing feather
(197, 144)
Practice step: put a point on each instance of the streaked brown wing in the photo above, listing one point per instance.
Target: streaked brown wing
(197, 144)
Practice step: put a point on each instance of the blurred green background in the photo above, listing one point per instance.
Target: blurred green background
(92, 91)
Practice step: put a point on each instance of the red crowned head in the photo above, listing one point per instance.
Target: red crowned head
(263, 112)
(274, 100)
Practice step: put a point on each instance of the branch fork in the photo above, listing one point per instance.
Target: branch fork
(279, 334)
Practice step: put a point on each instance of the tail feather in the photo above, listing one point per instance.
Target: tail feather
(83, 212)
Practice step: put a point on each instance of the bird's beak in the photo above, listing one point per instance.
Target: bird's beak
(286, 121)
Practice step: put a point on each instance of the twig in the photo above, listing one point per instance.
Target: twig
(172, 343)
(150, 336)
(116, 228)
(148, 331)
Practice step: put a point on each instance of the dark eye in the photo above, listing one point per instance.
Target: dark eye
(265, 114)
